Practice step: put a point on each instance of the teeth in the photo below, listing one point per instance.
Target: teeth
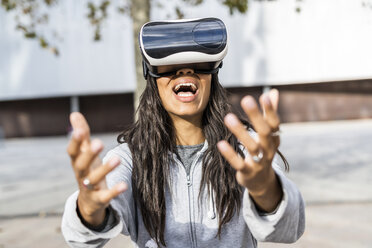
(193, 86)
(185, 94)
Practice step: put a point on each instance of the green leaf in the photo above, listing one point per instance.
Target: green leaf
(194, 2)
(179, 13)
(8, 5)
(92, 10)
(21, 27)
(43, 42)
(104, 5)
(239, 5)
(97, 34)
(30, 35)
(49, 2)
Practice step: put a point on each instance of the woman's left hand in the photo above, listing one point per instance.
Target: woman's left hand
(255, 172)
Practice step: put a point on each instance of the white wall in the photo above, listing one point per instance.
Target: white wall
(83, 67)
(273, 44)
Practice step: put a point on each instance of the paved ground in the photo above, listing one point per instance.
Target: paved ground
(331, 162)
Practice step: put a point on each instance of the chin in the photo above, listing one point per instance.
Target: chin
(190, 113)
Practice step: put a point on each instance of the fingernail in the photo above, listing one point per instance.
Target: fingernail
(221, 145)
(95, 146)
(266, 99)
(76, 134)
(122, 187)
(114, 161)
(249, 102)
(274, 92)
(231, 119)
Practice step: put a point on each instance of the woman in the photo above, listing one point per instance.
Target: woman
(187, 173)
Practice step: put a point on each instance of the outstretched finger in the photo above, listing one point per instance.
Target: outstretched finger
(106, 195)
(79, 122)
(259, 123)
(274, 98)
(233, 158)
(86, 157)
(73, 148)
(98, 174)
(241, 133)
(251, 109)
(270, 116)
(269, 103)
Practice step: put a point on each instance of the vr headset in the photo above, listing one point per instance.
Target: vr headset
(200, 44)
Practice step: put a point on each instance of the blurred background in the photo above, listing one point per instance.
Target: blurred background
(62, 56)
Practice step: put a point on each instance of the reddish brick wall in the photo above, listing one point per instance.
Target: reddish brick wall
(111, 113)
(34, 117)
(43, 117)
(319, 101)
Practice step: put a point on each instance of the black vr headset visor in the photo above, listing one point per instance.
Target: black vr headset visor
(200, 44)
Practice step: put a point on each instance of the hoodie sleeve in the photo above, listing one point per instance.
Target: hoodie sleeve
(121, 209)
(286, 224)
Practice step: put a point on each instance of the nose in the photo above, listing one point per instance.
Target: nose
(185, 71)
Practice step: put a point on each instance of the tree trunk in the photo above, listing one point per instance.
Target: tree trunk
(140, 12)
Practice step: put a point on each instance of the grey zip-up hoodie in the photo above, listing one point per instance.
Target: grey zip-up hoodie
(189, 223)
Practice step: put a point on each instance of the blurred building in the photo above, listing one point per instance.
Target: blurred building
(317, 53)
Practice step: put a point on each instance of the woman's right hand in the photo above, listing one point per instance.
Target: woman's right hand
(94, 196)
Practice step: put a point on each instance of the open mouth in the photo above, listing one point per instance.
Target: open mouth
(185, 89)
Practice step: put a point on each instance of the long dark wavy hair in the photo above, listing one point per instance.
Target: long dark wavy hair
(150, 140)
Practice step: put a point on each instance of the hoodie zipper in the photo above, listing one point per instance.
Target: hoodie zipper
(189, 184)
(189, 188)
(190, 219)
